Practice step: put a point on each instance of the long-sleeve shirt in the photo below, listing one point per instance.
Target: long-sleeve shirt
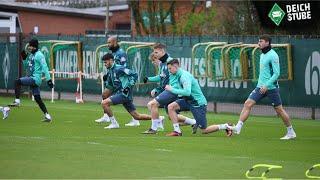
(36, 66)
(163, 76)
(120, 77)
(269, 70)
(184, 84)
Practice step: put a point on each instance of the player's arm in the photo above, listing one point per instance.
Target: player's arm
(276, 71)
(42, 61)
(24, 56)
(186, 86)
(44, 67)
(133, 76)
(156, 78)
(123, 59)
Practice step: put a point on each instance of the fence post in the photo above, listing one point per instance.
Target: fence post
(215, 107)
(313, 113)
(20, 48)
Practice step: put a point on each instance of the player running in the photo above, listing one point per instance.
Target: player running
(36, 65)
(267, 87)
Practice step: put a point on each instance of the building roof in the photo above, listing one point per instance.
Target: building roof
(89, 12)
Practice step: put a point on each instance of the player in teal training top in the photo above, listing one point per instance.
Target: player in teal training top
(36, 66)
(122, 81)
(184, 85)
(267, 87)
(120, 58)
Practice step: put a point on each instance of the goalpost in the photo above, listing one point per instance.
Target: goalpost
(64, 60)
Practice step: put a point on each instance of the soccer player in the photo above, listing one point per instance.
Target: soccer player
(5, 111)
(36, 65)
(162, 97)
(192, 99)
(158, 90)
(267, 87)
(120, 58)
(123, 80)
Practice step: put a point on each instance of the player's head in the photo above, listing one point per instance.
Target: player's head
(264, 41)
(155, 61)
(107, 60)
(113, 43)
(33, 45)
(159, 50)
(173, 66)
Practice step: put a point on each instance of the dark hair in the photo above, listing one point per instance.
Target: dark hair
(159, 46)
(107, 56)
(173, 61)
(266, 37)
(34, 43)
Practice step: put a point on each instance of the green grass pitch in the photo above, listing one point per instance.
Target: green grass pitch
(73, 146)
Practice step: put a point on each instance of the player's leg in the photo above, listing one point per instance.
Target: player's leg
(275, 98)
(17, 88)
(253, 98)
(5, 111)
(162, 99)
(42, 106)
(106, 105)
(185, 121)
(105, 118)
(173, 108)
(132, 110)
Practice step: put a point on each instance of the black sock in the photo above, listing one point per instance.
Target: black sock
(40, 103)
(17, 87)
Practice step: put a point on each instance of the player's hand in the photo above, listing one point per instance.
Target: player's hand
(24, 55)
(145, 79)
(168, 88)
(154, 93)
(263, 90)
(105, 77)
(50, 84)
(126, 90)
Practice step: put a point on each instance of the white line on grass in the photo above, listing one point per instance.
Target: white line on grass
(164, 150)
(173, 177)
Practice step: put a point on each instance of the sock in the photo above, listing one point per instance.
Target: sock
(40, 103)
(1, 108)
(176, 127)
(190, 121)
(17, 100)
(113, 120)
(134, 120)
(105, 115)
(154, 124)
(239, 124)
(159, 123)
(222, 126)
(290, 129)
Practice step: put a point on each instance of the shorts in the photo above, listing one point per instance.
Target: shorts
(198, 112)
(28, 81)
(157, 91)
(272, 94)
(166, 98)
(127, 103)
